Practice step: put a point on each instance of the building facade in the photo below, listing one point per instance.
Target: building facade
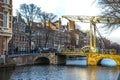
(53, 35)
(19, 40)
(5, 25)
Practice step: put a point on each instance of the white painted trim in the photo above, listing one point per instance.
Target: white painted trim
(1, 13)
(7, 18)
(1, 19)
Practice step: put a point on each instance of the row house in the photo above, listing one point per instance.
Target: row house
(5, 25)
(83, 38)
(79, 38)
(53, 35)
(19, 41)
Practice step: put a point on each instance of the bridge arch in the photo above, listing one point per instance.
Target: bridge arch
(107, 61)
(42, 60)
(95, 58)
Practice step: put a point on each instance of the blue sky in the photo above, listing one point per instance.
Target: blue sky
(68, 7)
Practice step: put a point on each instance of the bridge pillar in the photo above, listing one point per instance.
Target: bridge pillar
(92, 59)
(56, 59)
(61, 59)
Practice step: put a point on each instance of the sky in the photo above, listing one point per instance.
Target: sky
(69, 7)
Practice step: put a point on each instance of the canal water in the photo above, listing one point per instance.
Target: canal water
(73, 70)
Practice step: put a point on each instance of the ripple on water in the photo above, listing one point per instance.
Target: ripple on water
(54, 72)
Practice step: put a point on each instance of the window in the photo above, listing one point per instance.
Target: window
(5, 42)
(5, 19)
(6, 1)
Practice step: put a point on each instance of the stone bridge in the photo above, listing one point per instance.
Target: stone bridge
(45, 58)
(51, 58)
(95, 58)
(42, 58)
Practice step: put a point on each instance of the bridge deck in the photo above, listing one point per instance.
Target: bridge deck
(73, 53)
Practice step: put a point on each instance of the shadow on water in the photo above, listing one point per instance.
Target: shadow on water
(59, 72)
(42, 61)
(5, 73)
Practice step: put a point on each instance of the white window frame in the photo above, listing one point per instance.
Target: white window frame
(5, 19)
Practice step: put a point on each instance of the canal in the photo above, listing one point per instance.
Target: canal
(73, 70)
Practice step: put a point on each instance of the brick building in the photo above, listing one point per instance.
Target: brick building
(19, 43)
(19, 39)
(5, 24)
(54, 35)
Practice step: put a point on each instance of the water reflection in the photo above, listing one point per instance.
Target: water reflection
(38, 73)
(108, 62)
(54, 72)
(5, 73)
(76, 62)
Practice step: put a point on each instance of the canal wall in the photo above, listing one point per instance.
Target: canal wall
(21, 59)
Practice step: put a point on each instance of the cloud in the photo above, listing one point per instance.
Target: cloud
(68, 7)
(46, 5)
(114, 36)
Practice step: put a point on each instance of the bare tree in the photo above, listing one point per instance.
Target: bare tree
(29, 12)
(47, 18)
(44, 17)
(111, 8)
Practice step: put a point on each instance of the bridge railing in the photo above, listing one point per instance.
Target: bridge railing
(108, 51)
(76, 51)
(80, 51)
(16, 55)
